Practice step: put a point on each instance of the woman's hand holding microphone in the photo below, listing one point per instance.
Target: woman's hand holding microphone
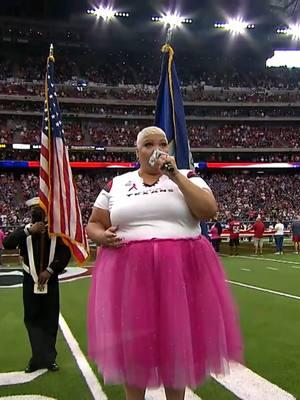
(166, 163)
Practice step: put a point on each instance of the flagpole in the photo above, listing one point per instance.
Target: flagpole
(51, 49)
(169, 34)
(44, 235)
(169, 113)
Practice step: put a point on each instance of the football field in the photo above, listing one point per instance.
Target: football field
(267, 291)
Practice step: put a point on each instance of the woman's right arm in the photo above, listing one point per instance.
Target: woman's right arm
(99, 229)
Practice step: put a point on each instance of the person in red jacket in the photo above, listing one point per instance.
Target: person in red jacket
(234, 234)
(259, 228)
(2, 236)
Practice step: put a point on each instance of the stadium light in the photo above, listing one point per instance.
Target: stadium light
(172, 20)
(292, 30)
(235, 26)
(106, 13)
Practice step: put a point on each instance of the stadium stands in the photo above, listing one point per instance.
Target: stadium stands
(233, 115)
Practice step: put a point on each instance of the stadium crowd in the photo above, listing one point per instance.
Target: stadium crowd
(197, 92)
(115, 123)
(90, 68)
(104, 155)
(269, 195)
(200, 111)
(122, 133)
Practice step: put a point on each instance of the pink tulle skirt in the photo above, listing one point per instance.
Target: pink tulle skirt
(161, 313)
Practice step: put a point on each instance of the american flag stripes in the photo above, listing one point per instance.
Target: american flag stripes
(57, 192)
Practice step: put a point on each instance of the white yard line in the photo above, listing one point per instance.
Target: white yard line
(18, 377)
(241, 381)
(273, 269)
(92, 380)
(290, 296)
(87, 372)
(159, 394)
(73, 279)
(247, 385)
(246, 269)
(264, 259)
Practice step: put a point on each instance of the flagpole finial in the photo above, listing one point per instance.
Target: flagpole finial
(51, 50)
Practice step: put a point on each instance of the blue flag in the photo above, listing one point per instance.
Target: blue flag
(169, 114)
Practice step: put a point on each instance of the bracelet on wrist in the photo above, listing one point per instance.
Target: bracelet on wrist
(50, 270)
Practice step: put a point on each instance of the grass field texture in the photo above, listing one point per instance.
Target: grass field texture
(270, 325)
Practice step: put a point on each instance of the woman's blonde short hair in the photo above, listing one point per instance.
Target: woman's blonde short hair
(150, 130)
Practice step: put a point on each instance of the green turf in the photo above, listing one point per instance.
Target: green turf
(270, 322)
(71, 301)
(283, 279)
(270, 326)
(15, 353)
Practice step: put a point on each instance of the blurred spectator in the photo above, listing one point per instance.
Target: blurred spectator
(215, 232)
(259, 228)
(2, 235)
(295, 228)
(279, 236)
(234, 235)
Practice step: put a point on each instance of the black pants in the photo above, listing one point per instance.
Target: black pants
(216, 244)
(41, 312)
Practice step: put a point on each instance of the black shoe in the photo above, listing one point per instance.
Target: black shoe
(53, 367)
(62, 272)
(31, 368)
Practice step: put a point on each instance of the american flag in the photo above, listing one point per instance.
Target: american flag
(57, 192)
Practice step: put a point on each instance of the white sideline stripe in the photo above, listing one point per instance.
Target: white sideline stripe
(257, 387)
(246, 269)
(73, 279)
(20, 273)
(273, 269)
(159, 394)
(90, 377)
(291, 296)
(263, 259)
(18, 377)
(87, 372)
(247, 385)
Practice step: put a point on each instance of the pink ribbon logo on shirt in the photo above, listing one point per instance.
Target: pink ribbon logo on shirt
(133, 186)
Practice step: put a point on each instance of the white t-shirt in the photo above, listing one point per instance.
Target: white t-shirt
(279, 229)
(145, 212)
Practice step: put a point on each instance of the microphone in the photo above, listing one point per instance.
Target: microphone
(169, 167)
(155, 156)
